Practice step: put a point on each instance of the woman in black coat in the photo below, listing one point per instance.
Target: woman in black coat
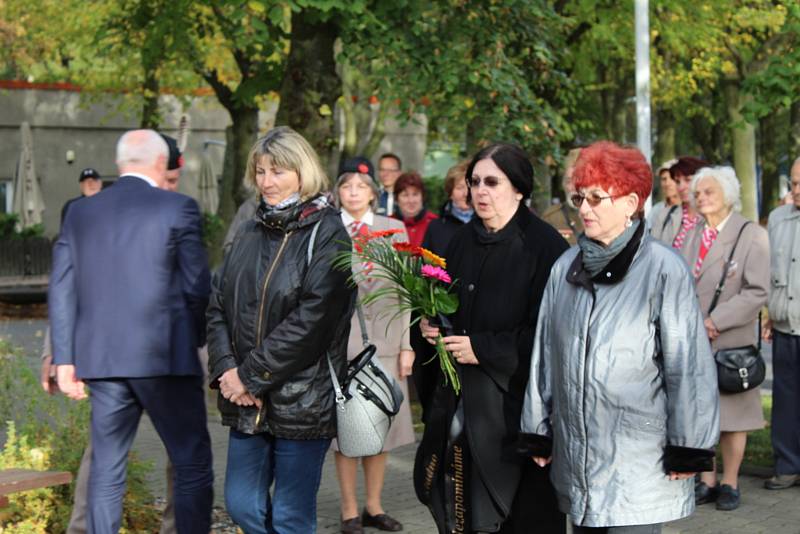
(467, 469)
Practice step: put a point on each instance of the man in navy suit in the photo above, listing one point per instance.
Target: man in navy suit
(128, 292)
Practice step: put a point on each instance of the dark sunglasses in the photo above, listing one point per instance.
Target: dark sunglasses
(489, 181)
(594, 199)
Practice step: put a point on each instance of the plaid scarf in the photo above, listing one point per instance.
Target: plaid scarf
(687, 223)
(709, 236)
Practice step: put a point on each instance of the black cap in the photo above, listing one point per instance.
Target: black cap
(88, 172)
(175, 156)
(358, 164)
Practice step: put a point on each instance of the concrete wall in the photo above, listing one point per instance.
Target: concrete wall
(62, 120)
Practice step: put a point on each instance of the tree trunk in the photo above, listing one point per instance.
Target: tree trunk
(743, 146)
(769, 163)
(794, 131)
(311, 85)
(151, 118)
(665, 140)
(244, 132)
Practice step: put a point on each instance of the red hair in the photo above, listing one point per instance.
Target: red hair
(617, 169)
(409, 179)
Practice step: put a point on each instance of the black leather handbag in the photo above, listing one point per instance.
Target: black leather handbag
(741, 368)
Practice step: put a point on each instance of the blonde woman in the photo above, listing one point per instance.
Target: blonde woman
(274, 319)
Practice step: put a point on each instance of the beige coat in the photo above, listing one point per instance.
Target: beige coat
(389, 336)
(736, 313)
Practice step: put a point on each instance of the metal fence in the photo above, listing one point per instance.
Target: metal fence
(25, 257)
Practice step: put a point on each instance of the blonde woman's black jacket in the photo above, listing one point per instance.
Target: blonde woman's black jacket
(275, 317)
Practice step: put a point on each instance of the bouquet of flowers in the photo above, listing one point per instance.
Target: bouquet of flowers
(419, 282)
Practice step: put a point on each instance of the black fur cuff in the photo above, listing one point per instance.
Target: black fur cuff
(535, 445)
(688, 460)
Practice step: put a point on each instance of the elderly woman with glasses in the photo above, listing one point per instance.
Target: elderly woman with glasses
(733, 322)
(622, 395)
(467, 469)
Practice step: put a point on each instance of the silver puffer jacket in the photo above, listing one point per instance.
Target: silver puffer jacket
(623, 381)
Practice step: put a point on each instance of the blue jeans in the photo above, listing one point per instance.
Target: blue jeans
(295, 466)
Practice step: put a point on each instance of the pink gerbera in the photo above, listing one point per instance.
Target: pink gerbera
(431, 271)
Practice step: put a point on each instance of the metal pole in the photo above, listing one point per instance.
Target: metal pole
(643, 139)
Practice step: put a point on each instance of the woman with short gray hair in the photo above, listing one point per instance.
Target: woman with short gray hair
(733, 322)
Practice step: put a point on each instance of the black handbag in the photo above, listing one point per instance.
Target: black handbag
(741, 368)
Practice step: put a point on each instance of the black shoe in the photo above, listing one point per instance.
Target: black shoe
(779, 482)
(352, 526)
(728, 499)
(704, 494)
(381, 522)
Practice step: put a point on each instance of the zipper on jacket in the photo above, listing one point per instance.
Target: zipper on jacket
(583, 406)
(263, 300)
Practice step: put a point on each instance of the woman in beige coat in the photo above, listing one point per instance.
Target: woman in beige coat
(734, 320)
(356, 193)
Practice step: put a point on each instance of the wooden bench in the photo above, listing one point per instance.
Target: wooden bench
(16, 480)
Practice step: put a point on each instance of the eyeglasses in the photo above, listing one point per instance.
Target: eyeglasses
(594, 199)
(489, 181)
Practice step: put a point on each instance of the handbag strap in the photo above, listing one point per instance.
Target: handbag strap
(721, 284)
(340, 398)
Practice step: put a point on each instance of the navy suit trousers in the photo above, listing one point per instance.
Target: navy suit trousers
(786, 403)
(176, 407)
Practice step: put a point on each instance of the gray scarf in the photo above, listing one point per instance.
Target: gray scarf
(596, 256)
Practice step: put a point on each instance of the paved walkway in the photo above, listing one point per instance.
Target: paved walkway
(762, 511)
(773, 512)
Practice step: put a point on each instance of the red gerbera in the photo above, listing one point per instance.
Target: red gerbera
(405, 246)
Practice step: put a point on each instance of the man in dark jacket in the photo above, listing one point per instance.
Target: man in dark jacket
(131, 260)
(90, 184)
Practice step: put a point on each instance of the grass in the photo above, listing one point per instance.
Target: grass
(759, 443)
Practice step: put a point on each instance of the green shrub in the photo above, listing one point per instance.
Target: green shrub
(50, 432)
(435, 196)
(8, 227)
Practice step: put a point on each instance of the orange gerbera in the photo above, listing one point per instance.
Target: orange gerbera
(432, 258)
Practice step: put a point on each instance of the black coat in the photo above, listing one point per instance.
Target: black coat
(442, 230)
(501, 279)
(276, 317)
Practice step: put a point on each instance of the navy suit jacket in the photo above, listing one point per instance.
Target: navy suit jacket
(129, 284)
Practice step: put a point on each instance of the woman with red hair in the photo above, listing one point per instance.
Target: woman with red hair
(622, 394)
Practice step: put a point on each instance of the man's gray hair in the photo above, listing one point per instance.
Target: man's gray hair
(140, 148)
(727, 180)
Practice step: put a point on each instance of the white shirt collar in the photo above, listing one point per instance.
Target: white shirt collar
(721, 225)
(143, 177)
(347, 219)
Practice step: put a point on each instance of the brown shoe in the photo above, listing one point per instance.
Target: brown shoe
(352, 526)
(381, 522)
(779, 482)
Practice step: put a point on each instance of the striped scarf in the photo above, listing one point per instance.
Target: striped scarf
(709, 235)
(687, 223)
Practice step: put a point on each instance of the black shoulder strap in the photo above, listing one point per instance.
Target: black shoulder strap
(721, 284)
(669, 217)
